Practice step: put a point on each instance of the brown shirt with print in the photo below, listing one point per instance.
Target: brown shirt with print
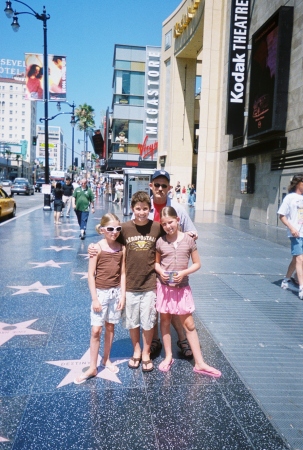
(140, 244)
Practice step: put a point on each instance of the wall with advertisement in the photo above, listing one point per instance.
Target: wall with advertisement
(270, 62)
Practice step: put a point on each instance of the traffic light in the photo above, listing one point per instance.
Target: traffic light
(76, 162)
(34, 140)
(82, 166)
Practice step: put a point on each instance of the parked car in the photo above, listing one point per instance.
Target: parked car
(6, 185)
(22, 186)
(38, 185)
(7, 205)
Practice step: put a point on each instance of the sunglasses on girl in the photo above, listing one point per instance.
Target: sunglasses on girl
(117, 229)
(163, 186)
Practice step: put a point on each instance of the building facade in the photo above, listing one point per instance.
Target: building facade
(238, 138)
(56, 148)
(133, 122)
(17, 128)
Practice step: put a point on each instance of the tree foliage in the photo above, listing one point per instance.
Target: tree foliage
(85, 117)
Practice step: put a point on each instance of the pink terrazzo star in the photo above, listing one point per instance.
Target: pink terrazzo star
(35, 287)
(76, 366)
(10, 330)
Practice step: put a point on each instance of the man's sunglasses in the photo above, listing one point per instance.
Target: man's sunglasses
(163, 186)
(117, 229)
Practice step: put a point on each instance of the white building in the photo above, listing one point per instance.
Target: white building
(56, 148)
(17, 125)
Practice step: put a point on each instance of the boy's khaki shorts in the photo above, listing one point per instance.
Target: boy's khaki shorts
(140, 310)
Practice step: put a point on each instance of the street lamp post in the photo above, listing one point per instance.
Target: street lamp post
(15, 25)
(72, 122)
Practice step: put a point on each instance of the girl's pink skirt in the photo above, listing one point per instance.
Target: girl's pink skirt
(174, 300)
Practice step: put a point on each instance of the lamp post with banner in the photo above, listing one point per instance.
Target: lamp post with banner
(44, 17)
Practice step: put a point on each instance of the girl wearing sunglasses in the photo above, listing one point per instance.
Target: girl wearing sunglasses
(106, 281)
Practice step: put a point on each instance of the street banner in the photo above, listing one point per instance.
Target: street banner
(57, 78)
(34, 76)
(34, 79)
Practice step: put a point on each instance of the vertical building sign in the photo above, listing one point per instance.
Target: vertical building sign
(237, 67)
(151, 103)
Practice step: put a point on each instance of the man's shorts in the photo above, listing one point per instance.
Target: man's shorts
(140, 310)
(109, 300)
(296, 245)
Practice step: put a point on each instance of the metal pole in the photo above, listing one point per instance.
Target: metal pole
(73, 146)
(45, 98)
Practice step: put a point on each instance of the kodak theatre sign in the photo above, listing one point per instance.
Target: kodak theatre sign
(237, 68)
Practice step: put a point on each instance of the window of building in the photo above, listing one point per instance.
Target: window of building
(11, 105)
(129, 83)
(11, 88)
(23, 129)
(10, 128)
(23, 136)
(10, 136)
(168, 40)
(11, 112)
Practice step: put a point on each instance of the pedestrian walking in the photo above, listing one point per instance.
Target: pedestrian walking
(291, 215)
(174, 296)
(178, 191)
(192, 196)
(106, 281)
(58, 204)
(83, 198)
(68, 191)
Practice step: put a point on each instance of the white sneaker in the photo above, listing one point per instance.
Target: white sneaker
(284, 284)
(301, 294)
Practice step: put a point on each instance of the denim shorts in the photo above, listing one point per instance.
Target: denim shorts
(109, 300)
(296, 245)
(140, 310)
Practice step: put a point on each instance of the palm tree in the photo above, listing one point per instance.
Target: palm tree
(85, 119)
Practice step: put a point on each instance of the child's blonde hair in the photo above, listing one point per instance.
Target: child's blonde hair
(108, 217)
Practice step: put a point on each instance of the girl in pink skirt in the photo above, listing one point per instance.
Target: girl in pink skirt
(174, 295)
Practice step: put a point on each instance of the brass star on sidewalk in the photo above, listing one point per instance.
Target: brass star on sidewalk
(85, 275)
(76, 366)
(35, 287)
(58, 249)
(9, 330)
(49, 263)
(65, 238)
(2, 439)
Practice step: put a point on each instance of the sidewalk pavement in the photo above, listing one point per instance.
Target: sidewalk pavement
(249, 328)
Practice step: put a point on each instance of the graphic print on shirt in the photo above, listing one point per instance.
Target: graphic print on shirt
(140, 243)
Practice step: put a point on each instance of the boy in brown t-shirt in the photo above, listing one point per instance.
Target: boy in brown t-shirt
(139, 237)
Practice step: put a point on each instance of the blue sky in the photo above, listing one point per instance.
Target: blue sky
(86, 32)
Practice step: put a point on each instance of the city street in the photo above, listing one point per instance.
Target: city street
(249, 328)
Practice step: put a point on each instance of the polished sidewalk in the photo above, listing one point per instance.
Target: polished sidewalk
(249, 328)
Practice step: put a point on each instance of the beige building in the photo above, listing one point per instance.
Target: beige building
(241, 164)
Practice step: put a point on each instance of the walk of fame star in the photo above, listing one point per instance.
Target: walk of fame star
(9, 330)
(76, 366)
(2, 439)
(66, 238)
(58, 249)
(86, 255)
(85, 275)
(49, 263)
(69, 229)
(35, 287)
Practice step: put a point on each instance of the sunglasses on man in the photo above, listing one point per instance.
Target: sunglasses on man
(163, 186)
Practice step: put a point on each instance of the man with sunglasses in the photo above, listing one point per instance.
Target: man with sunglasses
(83, 197)
(160, 186)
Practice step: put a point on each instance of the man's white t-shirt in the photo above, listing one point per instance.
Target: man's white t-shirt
(292, 209)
